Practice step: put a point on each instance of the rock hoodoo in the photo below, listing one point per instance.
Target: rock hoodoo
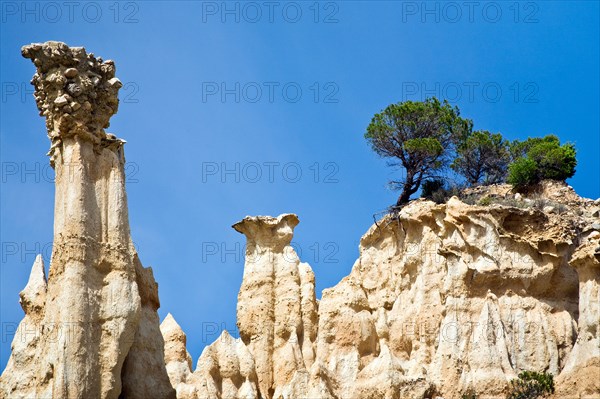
(96, 330)
(444, 299)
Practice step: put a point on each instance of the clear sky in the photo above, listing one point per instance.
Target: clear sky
(259, 108)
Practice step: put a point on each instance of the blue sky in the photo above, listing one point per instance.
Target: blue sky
(234, 109)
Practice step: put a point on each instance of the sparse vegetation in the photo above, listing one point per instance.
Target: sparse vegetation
(485, 201)
(536, 159)
(531, 385)
(425, 137)
(439, 191)
(419, 136)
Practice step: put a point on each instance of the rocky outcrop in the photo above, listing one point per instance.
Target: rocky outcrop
(277, 316)
(451, 297)
(178, 360)
(444, 299)
(277, 321)
(97, 311)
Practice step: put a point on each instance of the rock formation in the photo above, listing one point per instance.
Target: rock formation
(443, 299)
(91, 331)
(277, 320)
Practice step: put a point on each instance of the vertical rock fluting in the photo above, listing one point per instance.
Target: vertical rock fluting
(581, 374)
(443, 300)
(178, 359)
(448, 298)
(98, 306)
(276, 311)
(277, 320)
(25, 342)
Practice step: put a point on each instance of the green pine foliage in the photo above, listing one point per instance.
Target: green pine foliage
(427, 137)
(536, 159)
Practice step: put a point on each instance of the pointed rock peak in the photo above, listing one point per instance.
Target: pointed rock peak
(225, 334)
(268, 231)
(34, 293)
(169, 325)
(37, 277)
(226, 338)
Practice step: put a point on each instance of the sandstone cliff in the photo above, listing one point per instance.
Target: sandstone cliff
(443, 299)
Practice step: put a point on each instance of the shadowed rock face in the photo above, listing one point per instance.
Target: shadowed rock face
(98, 309)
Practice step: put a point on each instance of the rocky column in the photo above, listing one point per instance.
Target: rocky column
(92, 308)
(276, 310)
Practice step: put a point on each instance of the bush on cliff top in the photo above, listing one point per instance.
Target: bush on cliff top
(536, 159)
(425, 137)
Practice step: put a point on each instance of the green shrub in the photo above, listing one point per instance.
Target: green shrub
(536, 159)
(531, 385)
(485, 201)
(523, 172)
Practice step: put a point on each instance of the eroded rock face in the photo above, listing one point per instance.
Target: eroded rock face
(177, 359)
(581, 373)
(277, 320)
(99, 305)
(444, 299)
(277, 316)
(447, 298)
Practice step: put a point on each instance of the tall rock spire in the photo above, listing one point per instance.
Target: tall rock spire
(98, 295)
(276, 311)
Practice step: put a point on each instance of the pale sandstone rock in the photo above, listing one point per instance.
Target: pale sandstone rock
(178, 359)
(581, 374)
(24, 345)
(277, 316)
(464, 290)
(442, 300)
(96, 312)
(226, 370)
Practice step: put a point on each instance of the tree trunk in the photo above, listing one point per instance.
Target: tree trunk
(407, 191)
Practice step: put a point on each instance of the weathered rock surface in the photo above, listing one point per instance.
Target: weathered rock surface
(277, 316)
(98, 308)
(277, 320)
(581, 374)
(444, 299)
